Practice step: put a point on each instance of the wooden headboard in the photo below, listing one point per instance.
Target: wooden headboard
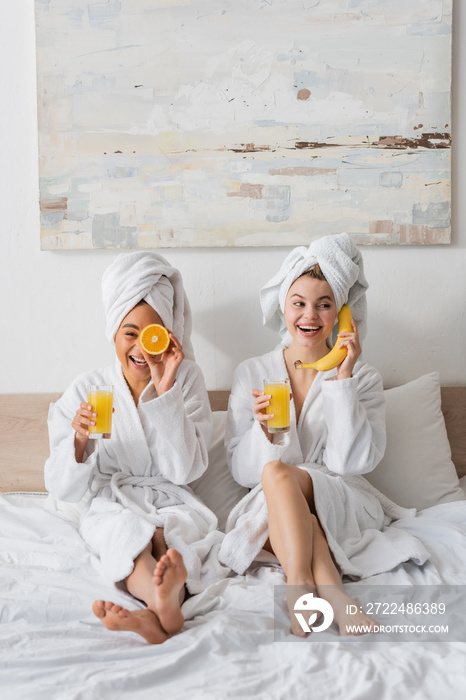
(24, 439)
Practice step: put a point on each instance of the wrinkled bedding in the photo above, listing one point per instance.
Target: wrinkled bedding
(52, 646)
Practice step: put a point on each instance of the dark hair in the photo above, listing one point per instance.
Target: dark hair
(316, 273)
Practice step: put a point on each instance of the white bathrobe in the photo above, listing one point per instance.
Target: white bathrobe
(139, 476)
(340, 435)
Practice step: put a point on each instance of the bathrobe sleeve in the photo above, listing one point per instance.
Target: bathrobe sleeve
(247, 446)
(65, 478)
(178, 425)
(354, 412)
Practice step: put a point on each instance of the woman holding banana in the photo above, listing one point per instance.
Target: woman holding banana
(309, 504)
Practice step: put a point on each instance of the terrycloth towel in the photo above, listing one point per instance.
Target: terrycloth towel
(143, 275)
(340, 261)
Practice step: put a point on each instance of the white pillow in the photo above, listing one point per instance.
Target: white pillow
(216, 486)
(417, 470)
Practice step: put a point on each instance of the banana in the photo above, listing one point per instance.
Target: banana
(336, 355)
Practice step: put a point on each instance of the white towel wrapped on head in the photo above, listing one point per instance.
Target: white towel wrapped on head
(341, 263)
(143, 275)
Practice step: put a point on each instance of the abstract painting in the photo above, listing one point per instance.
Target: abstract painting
(190, 123)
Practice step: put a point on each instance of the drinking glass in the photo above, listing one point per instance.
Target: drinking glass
(279, 389)
(100, 397)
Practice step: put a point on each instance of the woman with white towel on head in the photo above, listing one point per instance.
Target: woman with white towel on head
(309, 504)
(146, 525)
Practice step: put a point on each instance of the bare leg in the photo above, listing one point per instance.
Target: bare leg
(160, 584)
(140, 581)
(299, 542)
(330, 587)
(287, 490)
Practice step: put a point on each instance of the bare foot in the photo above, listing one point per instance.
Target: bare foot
(169, 578)
(143, 622)
(350, 624)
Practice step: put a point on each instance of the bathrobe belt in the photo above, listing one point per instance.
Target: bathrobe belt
(176, 493)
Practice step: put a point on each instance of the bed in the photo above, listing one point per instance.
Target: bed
(235, 642)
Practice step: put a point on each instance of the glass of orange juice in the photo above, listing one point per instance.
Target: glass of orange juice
(279, 390)
(100, 397)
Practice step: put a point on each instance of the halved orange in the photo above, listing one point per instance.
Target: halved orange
(154, 339)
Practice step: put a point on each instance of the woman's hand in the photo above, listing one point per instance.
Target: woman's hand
(259, 409)
(350, 341)
(163, 368)
(84, 417)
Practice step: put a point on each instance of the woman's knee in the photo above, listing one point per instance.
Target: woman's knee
(273, 472)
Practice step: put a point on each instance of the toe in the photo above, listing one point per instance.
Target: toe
(160, 568)
(98, 608)
(297, 631)
(174, 557)
(164, 560)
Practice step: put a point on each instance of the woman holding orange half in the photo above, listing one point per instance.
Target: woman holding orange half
(149, 530)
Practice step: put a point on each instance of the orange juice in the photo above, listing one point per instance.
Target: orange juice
(279, 405)
(101, 400)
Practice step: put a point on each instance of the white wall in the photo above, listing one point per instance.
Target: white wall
(50, 310)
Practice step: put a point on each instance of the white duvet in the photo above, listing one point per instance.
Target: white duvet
(51, 645)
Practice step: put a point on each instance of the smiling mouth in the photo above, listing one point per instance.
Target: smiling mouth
(138, 361)
(309, 330)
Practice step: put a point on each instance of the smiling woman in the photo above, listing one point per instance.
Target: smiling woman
(147, 528)
(308, 502)
(310, 313)
(133, 360)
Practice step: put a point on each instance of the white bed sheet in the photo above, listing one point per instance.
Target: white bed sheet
(52, 646)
